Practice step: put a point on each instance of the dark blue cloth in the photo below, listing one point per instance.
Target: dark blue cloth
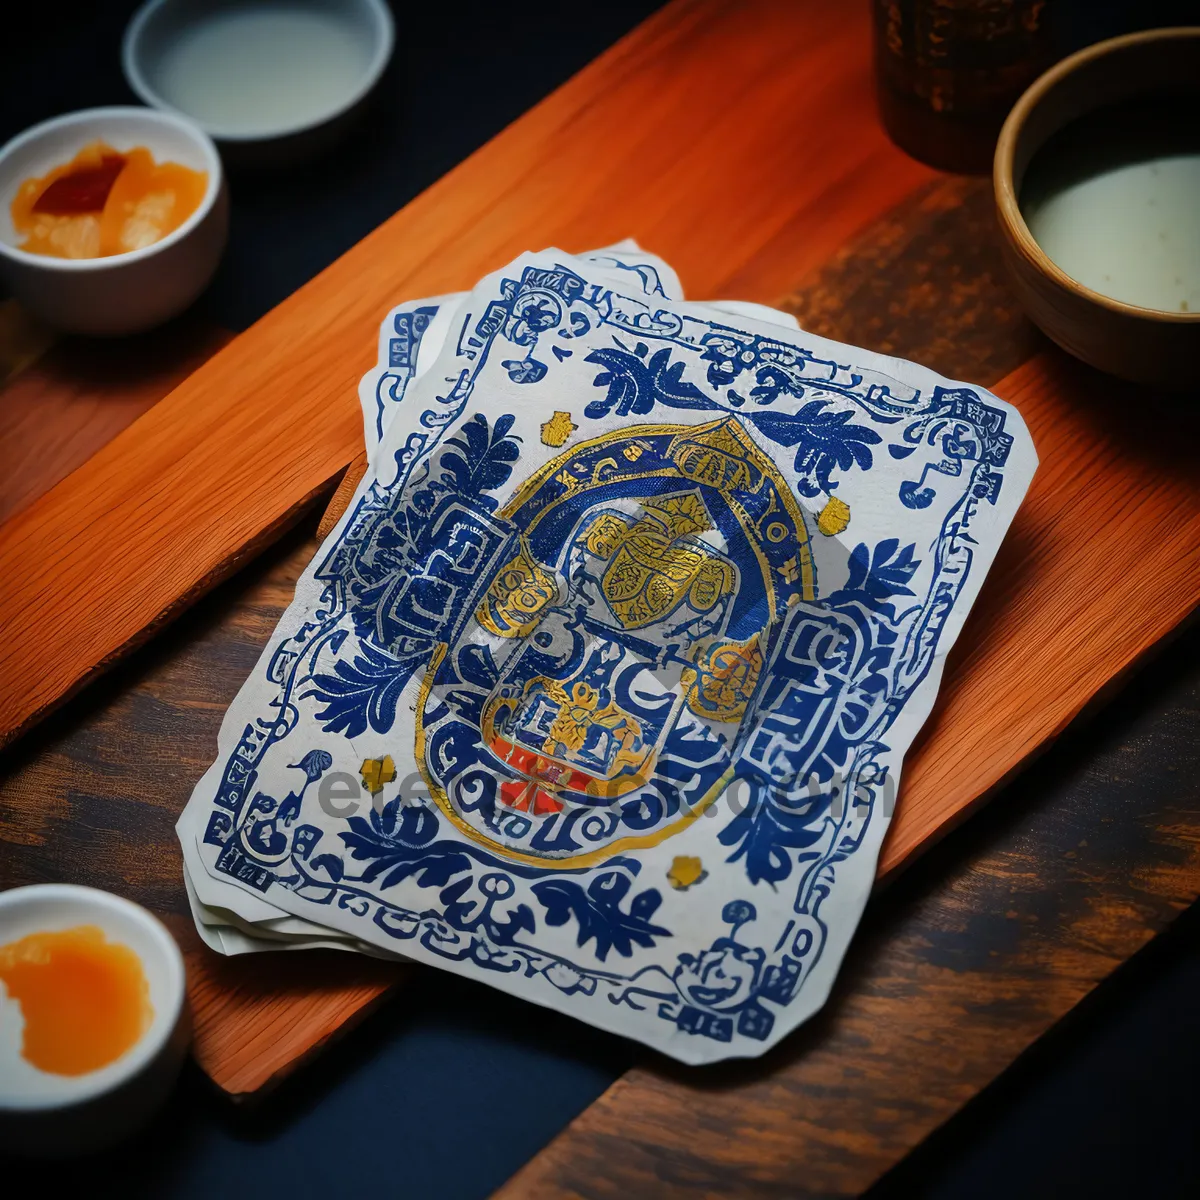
(442, 1094)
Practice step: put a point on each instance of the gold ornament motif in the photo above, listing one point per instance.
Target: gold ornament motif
(724, 679)
(720, 454)
(516, 597)
(651, 566)
(834, 517)
(715, 516)
(576, 716)
(604, 535)
(376, 772)
(556, 430)
(716, 455)
(686, 870)
(579, 732)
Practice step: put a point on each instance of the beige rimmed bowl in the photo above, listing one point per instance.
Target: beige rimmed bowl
(1145, 345)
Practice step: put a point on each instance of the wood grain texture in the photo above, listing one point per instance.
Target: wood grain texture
(65, 401)
(23, 340)
(341, 498)
(730, 137)
(255, 1026)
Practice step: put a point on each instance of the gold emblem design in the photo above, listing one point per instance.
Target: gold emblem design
(714, 455)
(516, 597)
(644, 556)
(604, 535)
(650, 565)
(587, 747)
(576, 715)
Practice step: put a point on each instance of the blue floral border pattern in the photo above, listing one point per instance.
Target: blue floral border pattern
(409, 327)
(807, 759)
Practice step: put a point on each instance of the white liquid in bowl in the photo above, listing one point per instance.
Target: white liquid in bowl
(258, 70)
(1114, 201)
(1131, 232)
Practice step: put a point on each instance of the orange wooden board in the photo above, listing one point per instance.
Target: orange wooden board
(61, 402)
(740, 141)
(1101, 562)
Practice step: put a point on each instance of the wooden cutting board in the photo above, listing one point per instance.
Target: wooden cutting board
(726, 136)
(740, 141)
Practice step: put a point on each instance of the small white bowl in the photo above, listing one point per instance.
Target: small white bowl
(46, 1114)
(121, 293)
(272, 81)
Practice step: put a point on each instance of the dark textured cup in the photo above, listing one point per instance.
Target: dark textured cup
(946, 75)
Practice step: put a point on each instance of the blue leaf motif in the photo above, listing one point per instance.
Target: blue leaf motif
(315, 763)
(875, 578)
(397, 842)
(464, 913)
(361, 693)
(768, 830)
(824, 439)
(913, 497)
(635, 386)
(598, 912)
(479, 460)
(329, 863)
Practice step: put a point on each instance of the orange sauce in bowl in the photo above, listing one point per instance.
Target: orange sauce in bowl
(105, 202)
(85, 1000)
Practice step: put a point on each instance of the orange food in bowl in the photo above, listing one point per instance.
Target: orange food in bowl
(105, 202)
(85, 1000)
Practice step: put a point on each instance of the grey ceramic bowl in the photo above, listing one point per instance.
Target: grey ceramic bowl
(1144, 345)
(271, 81)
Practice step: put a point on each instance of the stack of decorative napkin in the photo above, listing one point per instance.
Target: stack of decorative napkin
(599, 690)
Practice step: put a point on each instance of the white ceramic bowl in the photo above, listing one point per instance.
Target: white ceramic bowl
(42, 1113)
(122, 293)
(272, 81)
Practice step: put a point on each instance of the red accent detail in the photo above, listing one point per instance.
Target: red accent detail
(82, 191)
(545, 802)
(526, 796)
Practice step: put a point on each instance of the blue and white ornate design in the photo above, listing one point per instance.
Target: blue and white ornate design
(646, 603)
